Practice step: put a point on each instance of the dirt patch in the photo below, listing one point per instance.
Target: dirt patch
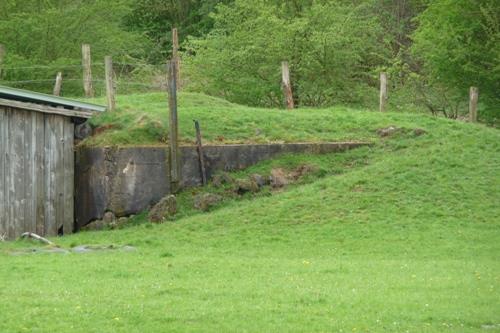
(102, 129)
(76, 249)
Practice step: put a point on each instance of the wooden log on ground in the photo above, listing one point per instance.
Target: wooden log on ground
(36, 237)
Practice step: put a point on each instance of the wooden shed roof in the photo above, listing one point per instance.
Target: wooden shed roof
(29, 100)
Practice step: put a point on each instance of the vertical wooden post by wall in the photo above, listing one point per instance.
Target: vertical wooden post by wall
(201, 158)
(473, 99)
(58, 84)
(175, 55)
(383, 92)
(110, 85)
(287, 87)
(2, 56)
(87, 71)
(173, 134)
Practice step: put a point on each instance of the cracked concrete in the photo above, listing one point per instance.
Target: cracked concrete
(130, 179)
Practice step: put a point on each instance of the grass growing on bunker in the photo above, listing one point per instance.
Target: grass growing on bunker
(143, 120)
(408, 240)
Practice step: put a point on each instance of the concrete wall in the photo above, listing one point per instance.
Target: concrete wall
(129, 180)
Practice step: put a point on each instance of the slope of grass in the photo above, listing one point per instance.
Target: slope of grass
(408, 241)
(143, 120)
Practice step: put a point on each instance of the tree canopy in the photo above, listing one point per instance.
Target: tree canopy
(433, 50)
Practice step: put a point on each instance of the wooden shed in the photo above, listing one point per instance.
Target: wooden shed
(37, 161)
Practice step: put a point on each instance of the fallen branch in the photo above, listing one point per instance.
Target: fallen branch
(36, 237)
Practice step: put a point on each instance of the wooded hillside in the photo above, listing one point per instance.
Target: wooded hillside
(433, 51)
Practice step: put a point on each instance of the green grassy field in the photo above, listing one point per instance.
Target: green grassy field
(143, 120)
(403, 236)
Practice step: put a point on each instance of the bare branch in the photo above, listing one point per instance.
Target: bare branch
(36, 237)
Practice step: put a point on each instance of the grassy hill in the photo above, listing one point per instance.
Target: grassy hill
(406, 241)
(143, 120)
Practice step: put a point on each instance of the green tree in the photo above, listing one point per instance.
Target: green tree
(332, 47)
(50, 33)
(458, 44)
(156, 18)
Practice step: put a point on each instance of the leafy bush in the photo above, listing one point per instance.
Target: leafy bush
(458, 43)
(331, 47)
(42, 38)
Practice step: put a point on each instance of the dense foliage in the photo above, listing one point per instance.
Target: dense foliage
(433, 50)
(458, 43)
(332, 50)
(50, 33)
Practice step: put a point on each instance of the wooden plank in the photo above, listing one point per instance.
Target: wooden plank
(173, 134)
(58, 149)
(45, 109)
(29, 166)
(287, 86)
(68, 152)
(383, 92)
(7, 186)
(58, 84)
(39, 181)
(110, 86)
(87, 71)
(50, 188)
(473, 99)
(18, 124)
(3, 130)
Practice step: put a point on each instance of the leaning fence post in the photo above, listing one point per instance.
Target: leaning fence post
(287, 87)
(2, 56)
(200, 153)
(383, 91)
(58, 84)
(110, 86)
(87, 72)
(473, 99)
(173, 134)
(175, 54)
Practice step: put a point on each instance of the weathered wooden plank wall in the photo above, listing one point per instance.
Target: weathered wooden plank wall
(36, 173)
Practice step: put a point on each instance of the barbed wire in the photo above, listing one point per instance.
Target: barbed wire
(116, 82)
(47, 80)
(47, 66)
(81, 66)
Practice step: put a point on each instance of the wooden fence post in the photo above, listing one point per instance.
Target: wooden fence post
(200, 153)
(87, 72)
(175, 54)
(110, 86)
(58, 84)
(287, 87)
(2, 56)
(173, 134)
(473, 99)
(383, 91)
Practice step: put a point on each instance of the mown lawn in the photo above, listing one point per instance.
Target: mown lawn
(404, 239)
